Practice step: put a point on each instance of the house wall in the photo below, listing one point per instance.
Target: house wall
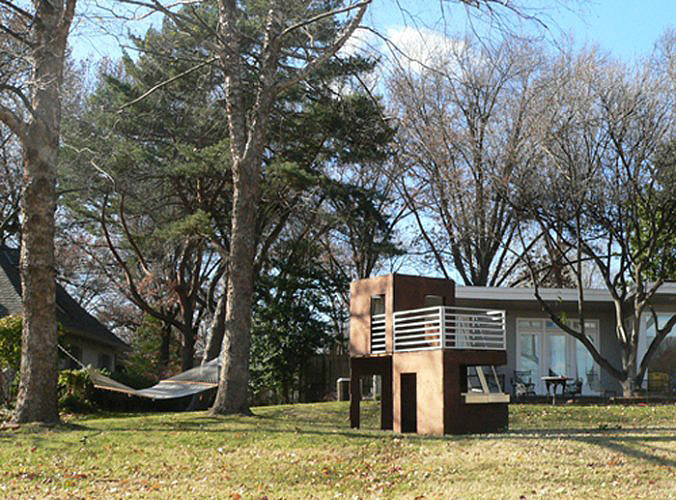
(603, 312)
(91, 352)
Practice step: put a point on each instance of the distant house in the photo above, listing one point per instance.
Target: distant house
(85, 337)
(536, 344)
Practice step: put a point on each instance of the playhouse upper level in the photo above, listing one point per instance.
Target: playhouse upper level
(399, 313)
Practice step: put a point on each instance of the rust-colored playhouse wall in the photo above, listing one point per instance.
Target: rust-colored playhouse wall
(440, 406)
(410, 291)
(360, 312)
(380, 365)
(428, 367)
(401, 292)
(463, 418)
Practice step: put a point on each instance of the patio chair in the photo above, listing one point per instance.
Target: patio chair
(593, 380)
(522, 384)
(572, 389)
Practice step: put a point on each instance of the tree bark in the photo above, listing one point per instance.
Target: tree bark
(216, 331)
(233, 396)
(247, 127)
(165, 346)
(37, 398)
(629, 368)
(188, 347)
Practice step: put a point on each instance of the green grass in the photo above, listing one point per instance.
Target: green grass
(309, 451)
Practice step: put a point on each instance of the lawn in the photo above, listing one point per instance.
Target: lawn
(309, 451)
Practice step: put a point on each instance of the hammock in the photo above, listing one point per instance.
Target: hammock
(193, 381)
(190, 382)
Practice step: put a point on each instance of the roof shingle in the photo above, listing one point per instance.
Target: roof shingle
(71, 315)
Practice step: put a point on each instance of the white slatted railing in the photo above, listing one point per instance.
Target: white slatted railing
(472, 328)
(418, 329)
(449, 328)
(377, 333)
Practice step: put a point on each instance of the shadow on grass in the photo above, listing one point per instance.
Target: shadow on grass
(640, 443)
(616, 441)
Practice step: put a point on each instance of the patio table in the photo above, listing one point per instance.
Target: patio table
(553, 381)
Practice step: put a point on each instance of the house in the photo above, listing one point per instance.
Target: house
(536, 344)
(85, 337)
(446, 354)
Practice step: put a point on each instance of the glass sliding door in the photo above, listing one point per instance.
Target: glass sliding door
(586, 368)
(556, 348)
(529, 354)
(545, 349)
(661, 376)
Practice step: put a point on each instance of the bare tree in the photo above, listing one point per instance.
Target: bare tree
(464, 125)
(601, 194)
(36, 37)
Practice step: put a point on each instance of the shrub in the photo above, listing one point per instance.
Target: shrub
(10, 342)
(10, 357)
(76, 391)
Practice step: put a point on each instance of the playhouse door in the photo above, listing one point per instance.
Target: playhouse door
(409, 405)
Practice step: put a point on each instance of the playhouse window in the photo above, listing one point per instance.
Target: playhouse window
(378, 304)
(434, 300)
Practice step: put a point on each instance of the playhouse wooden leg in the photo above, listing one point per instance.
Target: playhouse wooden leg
(355, 396)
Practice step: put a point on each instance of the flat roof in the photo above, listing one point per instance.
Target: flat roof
(548, 294)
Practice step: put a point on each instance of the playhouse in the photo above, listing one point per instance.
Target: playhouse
(436, 362)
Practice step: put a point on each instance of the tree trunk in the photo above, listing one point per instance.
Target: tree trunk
(216, 331)
(165, 347)
(233, 393)
(37, 398)
(629, 386)
(188, 349)
(3, 396)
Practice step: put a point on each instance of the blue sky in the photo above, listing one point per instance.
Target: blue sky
(625, 28)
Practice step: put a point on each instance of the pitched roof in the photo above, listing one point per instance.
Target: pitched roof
(72, 316)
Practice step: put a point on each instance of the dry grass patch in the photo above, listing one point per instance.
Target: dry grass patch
(308, 451)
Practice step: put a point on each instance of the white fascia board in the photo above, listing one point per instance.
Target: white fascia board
(548, 294)
(528, 294)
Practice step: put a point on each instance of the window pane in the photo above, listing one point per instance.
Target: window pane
(378, 304)
(434, 300)
(586, 369)
(530, 324)
(664, 358)
(557, 354)
(529, 352)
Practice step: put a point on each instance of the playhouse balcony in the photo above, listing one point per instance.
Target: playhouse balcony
(436, 362)
(440, 327)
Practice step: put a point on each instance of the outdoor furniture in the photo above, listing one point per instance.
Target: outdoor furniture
(554, 381)
(572, 389)
(522, 383)
(593, 380)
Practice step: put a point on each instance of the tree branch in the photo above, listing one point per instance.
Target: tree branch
(13, 122)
